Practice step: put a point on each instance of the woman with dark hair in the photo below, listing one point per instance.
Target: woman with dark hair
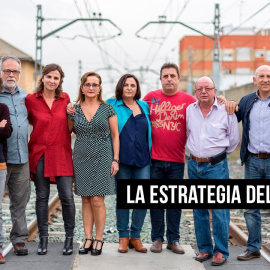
(95, 162)
(50, 154)
(135, 148)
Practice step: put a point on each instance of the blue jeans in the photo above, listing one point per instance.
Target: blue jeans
(64, 187)
(3, 175)
(138, 215)
(220, 223)
(166, 170)
(204, 170)
(255, 168)
(221, 217)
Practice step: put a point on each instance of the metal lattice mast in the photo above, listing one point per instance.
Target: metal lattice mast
(79, 72)
(38, 60)
(216, 49)
(40, 38)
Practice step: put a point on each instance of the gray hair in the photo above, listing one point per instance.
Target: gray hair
(12, 57)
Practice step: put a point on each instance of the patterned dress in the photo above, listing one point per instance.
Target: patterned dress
(93, 153)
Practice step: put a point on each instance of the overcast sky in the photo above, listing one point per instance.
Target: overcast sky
(125, 53)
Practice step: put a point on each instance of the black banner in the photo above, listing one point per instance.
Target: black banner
(190, 194)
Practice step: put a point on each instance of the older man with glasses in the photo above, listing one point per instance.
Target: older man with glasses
(211, 134)
(18, 178)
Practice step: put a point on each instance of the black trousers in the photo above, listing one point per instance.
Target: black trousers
(64, 187)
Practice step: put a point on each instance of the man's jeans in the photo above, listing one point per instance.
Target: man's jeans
(220, 223)
(255, 168)
(204, 170)
(19, 188)
(221, 217)
(138, 215)
(166, 170)
(64, 187)
(3, 175)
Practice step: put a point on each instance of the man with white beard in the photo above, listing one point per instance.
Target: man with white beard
(18, 178)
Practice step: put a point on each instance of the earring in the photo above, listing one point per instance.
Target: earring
(82, 93)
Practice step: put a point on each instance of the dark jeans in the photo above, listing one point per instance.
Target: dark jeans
(255, 168)
(138, 215)
(64, 187)
(166, 170)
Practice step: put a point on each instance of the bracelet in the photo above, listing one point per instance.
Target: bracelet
(116, 160)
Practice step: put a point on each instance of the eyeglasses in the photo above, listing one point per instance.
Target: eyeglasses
(8, 71)
(88, 85)
(207, 89)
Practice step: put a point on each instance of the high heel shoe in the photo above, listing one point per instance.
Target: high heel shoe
(96, 251)
(83, 249)
(68, 246)
(42, 247)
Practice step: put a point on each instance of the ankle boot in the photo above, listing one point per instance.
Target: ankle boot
(137, 244)
(68, 246)
(123, 244)
(42, 247)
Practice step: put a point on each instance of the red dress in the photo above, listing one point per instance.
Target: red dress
(50, 136)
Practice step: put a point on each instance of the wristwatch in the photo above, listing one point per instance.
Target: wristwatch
(116, 160)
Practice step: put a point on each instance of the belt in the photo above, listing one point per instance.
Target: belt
(213, 160)
(261, 155)
(201, 159)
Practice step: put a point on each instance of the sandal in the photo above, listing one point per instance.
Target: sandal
(96, 251)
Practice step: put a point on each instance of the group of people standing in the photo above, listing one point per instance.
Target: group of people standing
(125, 138)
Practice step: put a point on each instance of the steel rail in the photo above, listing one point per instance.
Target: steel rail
(32, 225)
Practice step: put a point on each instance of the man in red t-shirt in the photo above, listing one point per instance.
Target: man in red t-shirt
(167, 108)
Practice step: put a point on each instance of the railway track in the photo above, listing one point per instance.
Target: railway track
(238, 230)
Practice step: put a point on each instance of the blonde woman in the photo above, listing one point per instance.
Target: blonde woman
(95, 160)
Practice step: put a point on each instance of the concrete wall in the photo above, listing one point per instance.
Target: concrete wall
(237, 93)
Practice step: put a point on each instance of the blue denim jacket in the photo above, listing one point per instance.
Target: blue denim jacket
(245, 105)
(17, 143)
(123, 114)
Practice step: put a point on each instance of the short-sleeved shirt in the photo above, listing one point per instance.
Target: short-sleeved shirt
(168, 118)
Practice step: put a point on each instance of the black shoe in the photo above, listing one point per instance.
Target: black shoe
(68, 246)
(96, 251)
(83, 249)
(42, 247)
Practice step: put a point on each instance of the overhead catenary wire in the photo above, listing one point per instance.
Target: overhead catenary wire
(167, 34)
(100, 48)
(249, 18)
(237, 27)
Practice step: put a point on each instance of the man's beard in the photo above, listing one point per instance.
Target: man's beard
(10, 85)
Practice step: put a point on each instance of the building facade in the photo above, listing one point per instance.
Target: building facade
(28, 65)
(240, 56)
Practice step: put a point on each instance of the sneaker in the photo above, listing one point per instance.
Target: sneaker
(20, 249)
(2, 259)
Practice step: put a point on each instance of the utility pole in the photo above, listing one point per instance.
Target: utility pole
(190, 76)
(215, 38)
(38, 61)
(79, 72)
(216, 48)
(40, 38)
